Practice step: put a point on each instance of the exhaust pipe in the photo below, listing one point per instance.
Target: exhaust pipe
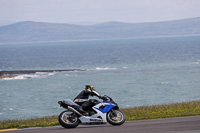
(73, 110)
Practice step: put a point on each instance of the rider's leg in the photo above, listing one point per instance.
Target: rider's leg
(85, 106)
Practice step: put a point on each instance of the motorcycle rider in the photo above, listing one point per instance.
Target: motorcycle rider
(83, 98)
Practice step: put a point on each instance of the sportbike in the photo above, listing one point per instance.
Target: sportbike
(100, 113)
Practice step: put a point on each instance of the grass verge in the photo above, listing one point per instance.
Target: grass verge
(163, 111)
(136, 113)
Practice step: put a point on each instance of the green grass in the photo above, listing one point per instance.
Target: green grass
(163, 111)
(36, 122)
(136, 113)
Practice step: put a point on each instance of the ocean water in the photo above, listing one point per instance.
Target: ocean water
(134, 72)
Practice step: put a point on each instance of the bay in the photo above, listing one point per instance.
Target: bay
(134, 72)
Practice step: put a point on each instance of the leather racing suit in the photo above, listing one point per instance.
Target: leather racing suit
(83, 99)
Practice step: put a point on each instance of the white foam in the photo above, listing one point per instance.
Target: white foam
(51, 74)
(164, 82)
(198, 62)
(45, 73)
(26, 76)
(36, 75)
(105, 68)
(13, 78)
(41, 73)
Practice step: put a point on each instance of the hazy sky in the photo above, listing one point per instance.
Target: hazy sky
(69, 11)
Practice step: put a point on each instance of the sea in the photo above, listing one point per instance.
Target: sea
(134, 72)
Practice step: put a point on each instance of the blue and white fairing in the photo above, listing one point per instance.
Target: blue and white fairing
(106, 107)
(100, 116)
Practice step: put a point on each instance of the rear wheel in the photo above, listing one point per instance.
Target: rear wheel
(68, 119)
(115, 117)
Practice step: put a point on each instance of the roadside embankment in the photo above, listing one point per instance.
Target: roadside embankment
(163, 111)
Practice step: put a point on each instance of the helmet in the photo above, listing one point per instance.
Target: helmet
(90, 87)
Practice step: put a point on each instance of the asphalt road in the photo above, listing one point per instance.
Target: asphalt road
(169, 125)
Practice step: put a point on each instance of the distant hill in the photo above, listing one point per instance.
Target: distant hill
(30, 31)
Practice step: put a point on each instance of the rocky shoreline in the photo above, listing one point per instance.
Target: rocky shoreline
(6, 76)
(12, 74)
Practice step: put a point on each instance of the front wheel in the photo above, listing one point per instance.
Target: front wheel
(115, 117)
(68, 119)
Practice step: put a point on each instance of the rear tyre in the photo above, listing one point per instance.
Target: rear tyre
(115, 117)
(68, 119)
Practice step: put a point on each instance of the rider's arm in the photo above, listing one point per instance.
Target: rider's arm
(96, 94)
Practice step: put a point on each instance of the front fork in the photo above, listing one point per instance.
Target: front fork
(113, 112)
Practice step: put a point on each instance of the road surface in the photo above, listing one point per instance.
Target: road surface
(189, 124)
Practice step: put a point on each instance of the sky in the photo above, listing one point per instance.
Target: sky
(97, 11)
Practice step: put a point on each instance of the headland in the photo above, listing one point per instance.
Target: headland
(11, 74)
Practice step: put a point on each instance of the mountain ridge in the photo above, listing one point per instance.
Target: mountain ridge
(31, 31)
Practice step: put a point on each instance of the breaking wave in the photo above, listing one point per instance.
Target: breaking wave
(198, 62)
(104, 68)
(27, 76)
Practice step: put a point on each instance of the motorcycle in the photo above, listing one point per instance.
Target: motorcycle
(100, 113)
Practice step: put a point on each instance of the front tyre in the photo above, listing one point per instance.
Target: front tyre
(68, 119)
(115, 117)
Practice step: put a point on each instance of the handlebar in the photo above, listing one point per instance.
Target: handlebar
(107, 98)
